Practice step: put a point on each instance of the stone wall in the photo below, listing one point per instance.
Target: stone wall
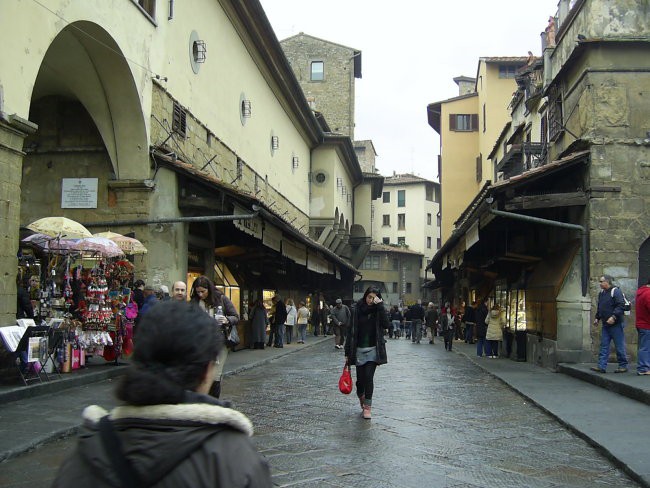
(334, 95)
(12, 134)
(200, 145)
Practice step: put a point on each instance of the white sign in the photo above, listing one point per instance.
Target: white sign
(79, 192)
(252, 226)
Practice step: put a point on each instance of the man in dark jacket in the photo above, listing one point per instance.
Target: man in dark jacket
(470, 321)
(417, 316)
(610, 313)
(431, 320)
(279, 318)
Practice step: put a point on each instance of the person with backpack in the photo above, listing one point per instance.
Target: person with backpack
(611, 308)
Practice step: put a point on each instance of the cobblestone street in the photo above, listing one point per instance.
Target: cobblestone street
(438, 421)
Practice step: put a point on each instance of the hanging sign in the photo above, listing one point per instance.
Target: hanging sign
(79, 192)
(252, 227)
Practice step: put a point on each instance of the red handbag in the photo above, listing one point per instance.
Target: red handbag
(345, 381)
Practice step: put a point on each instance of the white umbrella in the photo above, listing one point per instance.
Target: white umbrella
(102, 245)
(59, 227)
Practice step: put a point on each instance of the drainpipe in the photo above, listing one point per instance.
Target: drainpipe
(172, 220)
(584, 264)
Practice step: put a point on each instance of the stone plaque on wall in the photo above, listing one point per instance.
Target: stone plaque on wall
(79, 192)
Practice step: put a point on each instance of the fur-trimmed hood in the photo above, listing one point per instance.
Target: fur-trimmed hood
(156, 439)
(184, 412)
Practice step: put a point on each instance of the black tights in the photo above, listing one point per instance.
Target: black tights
(365, 383)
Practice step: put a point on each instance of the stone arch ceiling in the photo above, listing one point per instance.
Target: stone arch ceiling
(89, 66)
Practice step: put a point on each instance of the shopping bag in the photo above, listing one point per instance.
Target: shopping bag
(233, 336)
(345, 381)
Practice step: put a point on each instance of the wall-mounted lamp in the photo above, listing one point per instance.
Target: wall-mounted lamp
(246, 109)
(199, 51)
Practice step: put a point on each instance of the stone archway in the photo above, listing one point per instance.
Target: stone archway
(84, 63)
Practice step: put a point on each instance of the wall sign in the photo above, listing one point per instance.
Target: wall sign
(79, 192)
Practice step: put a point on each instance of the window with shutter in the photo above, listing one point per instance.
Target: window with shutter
(555, 128)
(179, 120)
(479, 168)
(463, 122)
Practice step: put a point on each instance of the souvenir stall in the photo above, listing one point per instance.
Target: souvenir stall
(84, 295)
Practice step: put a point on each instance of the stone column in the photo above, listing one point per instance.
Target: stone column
(13, 131)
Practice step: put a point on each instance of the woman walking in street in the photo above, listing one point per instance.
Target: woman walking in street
(302, 321)
(168, 432)
(217, 305)
(290, 321)
(365, 346)
(494, 331)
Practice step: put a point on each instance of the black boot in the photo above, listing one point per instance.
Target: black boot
(215, 389)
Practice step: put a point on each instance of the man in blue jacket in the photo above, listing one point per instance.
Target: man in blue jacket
(610, 313)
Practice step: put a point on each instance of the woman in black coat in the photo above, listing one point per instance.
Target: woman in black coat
(365, 346)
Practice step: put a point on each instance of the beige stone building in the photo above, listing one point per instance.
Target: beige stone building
(196, 135)
(468, 125)
(570, 200)
(408, 215)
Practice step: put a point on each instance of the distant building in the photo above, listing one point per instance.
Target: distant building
(408, 215)
(395, 270)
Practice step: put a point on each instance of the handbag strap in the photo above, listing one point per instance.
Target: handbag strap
(113, 447)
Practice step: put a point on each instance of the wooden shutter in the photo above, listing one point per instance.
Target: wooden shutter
(474, 122)
(452, 121)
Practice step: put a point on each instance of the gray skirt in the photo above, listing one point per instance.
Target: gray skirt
(366, 355)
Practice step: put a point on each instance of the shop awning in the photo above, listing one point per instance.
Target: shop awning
(274, 239)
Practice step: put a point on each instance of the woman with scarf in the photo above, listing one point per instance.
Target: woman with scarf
(209, 298)
(365, 345)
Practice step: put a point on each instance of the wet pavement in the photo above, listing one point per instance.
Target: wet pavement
(440, 419)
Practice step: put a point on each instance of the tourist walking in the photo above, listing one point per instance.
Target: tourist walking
(290, 321)
(494, 333)
(365, 346)
(610, 313)
(302, 321)
(340, 315)
(216, 305)
(431, 320)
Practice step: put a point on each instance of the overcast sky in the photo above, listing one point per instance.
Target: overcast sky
(410, 55)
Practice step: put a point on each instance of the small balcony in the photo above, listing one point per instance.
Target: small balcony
(522, 157)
